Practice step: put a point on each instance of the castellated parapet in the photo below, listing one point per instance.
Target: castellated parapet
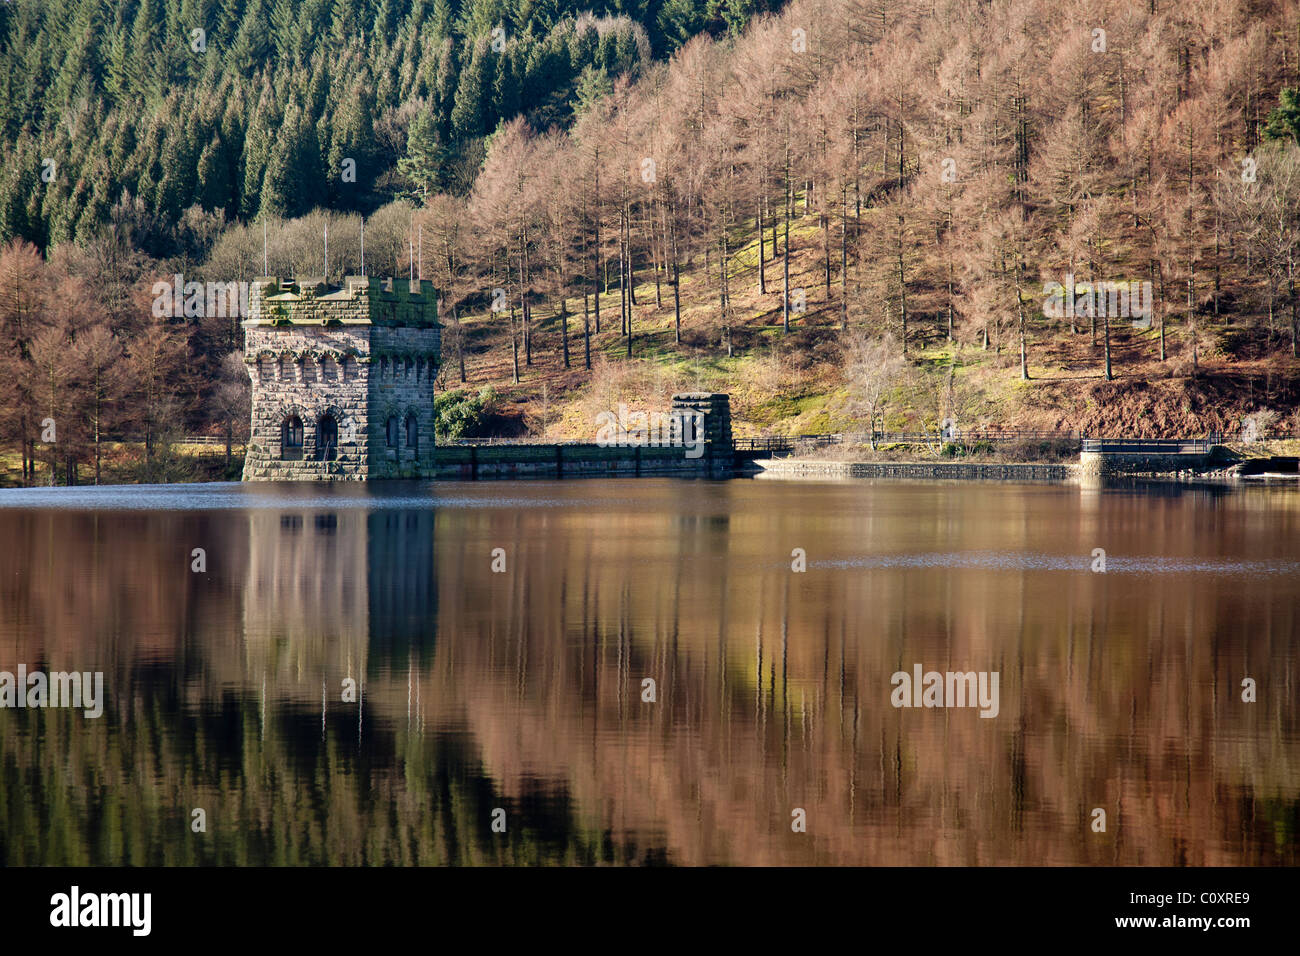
(342, 379)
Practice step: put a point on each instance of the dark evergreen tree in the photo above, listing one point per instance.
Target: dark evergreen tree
(468, 113)
(1284, 122)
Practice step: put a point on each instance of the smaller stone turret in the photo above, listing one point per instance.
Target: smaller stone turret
(714, 408)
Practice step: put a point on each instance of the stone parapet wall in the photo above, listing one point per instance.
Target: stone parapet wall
(466, 462)
(361, 299)
(787, 468)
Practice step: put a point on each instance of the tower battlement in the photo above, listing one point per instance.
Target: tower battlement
(342, 378)
(311, 300)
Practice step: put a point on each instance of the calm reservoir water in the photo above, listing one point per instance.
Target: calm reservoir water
(523, 689)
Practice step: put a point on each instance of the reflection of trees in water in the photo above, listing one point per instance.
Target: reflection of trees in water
(1119, 691)
(114, 592)
(1115, 693)
(289, 797)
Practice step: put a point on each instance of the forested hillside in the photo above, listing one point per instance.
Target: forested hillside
(877, 201)
(248, 107)
(843, 212)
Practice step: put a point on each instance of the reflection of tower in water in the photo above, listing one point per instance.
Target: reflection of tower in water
(337, 594)
(400, 586)
(306, 602)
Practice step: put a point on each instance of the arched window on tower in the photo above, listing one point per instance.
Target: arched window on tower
(390, 432)
(412, 433)
(291, 438)
(327, 438)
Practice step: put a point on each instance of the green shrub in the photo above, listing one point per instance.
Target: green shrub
(462, 414)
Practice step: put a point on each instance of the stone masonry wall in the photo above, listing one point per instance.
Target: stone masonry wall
(308, 387)
(358, 354)
(401, 386)
(467, 462)
(1095, 464)
(715, 407)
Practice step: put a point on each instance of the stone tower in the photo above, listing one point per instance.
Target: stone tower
(708, 412)
(342, 379)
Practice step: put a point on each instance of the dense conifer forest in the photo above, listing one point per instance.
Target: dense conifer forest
(240, 107)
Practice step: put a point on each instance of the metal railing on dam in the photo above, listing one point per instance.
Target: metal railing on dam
(771, 444)
(1152, 446)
